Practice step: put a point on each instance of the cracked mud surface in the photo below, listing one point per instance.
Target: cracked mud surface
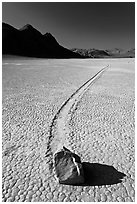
(58, 128)
(100, 127)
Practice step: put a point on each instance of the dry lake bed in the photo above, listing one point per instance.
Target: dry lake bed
(86, 105)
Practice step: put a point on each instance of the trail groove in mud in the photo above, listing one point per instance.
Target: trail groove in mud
(58, 128)
(100, 122)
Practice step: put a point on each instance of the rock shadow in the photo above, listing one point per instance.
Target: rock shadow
(100, 174)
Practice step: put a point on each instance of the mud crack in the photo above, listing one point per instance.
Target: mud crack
(59, 129)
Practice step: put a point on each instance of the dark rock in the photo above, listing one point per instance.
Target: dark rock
(68, 167)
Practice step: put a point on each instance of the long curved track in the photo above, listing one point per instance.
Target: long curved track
(97, 122)
(58, 128)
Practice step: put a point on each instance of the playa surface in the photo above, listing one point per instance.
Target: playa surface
(86, 105)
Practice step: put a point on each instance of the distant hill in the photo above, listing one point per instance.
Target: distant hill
(28, 41)
(110, 53)
(91, 53)
(117, 52)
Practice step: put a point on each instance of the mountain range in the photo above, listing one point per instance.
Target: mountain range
(28, 41)
(109, 53)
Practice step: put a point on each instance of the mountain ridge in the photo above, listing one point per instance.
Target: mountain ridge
(28, 41)
(107, 53)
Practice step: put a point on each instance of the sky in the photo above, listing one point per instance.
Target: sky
(101, 25)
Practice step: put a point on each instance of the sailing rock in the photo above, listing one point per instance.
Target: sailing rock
(68, 167)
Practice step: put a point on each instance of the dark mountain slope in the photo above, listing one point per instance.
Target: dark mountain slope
(10, 40)
(28, 41)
